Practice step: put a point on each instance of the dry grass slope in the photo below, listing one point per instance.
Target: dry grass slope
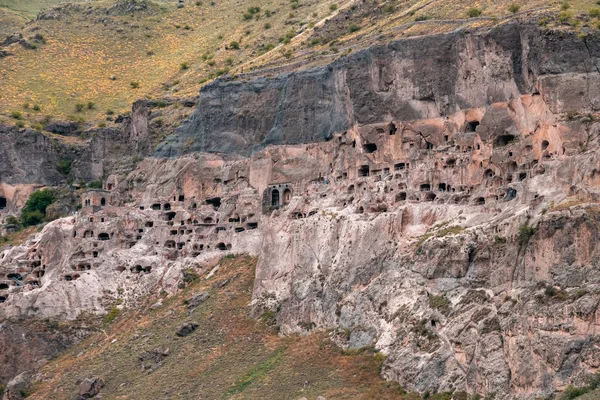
(230, 355)
(166, 51)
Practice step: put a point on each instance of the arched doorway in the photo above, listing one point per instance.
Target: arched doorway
(103, 201)
(274, 197)
(287, 196)
(2, 203)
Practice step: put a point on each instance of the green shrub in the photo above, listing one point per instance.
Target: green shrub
(36, 107)
(34, 210)
(571, 392)
(333, 7)
(267, 26)
(474, 12)
(26, 105)
(190, 275)
(134, 84)
(595, 12)
(16, 115)
(185, 65)
(499, 240)
(222, 71)
(268, 13)
(90, 105)
(64, 166)
(525, 233)
(389, 8)
(440, 303)
(564, 17)
(95, 185)
(229, 61)
(421, 18)
(565, 6)
(353, 28)
(112, 315)
(514, 8)
(12, 220)
(234, 45)
(294, 5)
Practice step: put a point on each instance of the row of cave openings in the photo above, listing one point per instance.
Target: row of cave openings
(136, 269)
(171, 244)
(89, 234)
(215, 202)
(364, 170)
(391, 129)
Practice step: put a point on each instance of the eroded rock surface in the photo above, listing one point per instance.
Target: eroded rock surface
(435, 198)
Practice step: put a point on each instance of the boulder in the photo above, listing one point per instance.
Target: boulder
(90, 387)
(186, 329)
(17, 387)
(197, 299)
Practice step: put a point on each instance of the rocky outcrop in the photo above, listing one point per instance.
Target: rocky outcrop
(424, 77)
(439, 204)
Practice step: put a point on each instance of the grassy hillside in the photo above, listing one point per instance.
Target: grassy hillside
(91, 62)
(359, 25)
(32, 7)
(164, 51)
(229, 356)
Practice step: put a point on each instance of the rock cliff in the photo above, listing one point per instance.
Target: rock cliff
(435, 198)
(412, 79)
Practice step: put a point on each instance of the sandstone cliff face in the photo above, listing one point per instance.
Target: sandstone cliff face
(412, 79)
(435, 198)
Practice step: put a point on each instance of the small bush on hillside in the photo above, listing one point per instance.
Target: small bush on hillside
(79, 107)
(185, 65)
(353, 28)
(333, 7)
(64, 166)
(134, 85)
(474, 12)
(36, 107)
(20, 124)
(16, 115)
(95, 185)
(440, 303)
(565, 6)
(514, 8)
(421, 18)
(112, 315)
(564, 17)
(26, 105)
(267, 26)
(594, 12)
(90, 105)
(389, 8)
(234, 45)
(222, 71)
(525, 233)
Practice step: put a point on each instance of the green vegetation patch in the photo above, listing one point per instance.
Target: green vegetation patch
(257, 373)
